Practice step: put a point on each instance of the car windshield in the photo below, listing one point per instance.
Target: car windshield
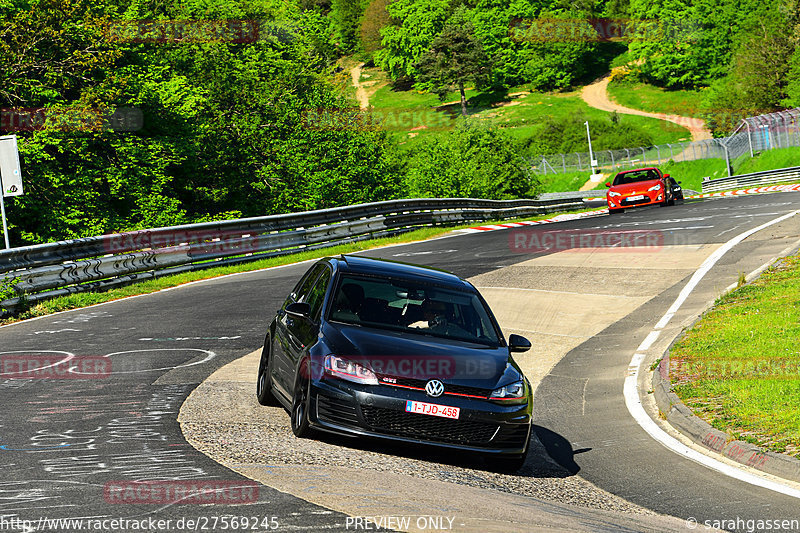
(635, 176)
(411, 306)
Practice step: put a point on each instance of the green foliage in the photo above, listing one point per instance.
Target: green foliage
(346, 17)
(418, 22)
(375, 17)
(7, 289)
(455, 58)
(224, 123)
(469, 162)
(556, 135)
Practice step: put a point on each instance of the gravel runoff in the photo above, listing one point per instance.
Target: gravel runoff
(237, 432)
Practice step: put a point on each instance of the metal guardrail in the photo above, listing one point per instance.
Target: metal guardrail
(55, 269)
(766, 177)
(573, 195)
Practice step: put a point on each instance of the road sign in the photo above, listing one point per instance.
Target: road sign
(10, 173)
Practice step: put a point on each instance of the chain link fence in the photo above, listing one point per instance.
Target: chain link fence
(753, 135)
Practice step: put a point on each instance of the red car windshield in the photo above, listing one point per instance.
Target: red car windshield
(624, 178)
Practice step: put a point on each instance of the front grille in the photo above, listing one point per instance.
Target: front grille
(452, 389)
(434, 428)
(336, 411)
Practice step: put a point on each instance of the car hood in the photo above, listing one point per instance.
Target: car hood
(421, 357)
(629, 188)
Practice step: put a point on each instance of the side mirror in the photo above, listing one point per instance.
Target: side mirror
(299, 310)
(608, 184)
(666, 175)
(518, 343)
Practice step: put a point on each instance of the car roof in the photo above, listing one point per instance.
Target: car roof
(395, 269)
(637, 170)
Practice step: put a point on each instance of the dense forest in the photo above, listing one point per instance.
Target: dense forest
(224, 89)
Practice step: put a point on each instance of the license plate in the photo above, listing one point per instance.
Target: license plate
(637, 197)
(432, 409)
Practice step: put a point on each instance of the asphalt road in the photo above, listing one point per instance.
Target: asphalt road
(65, 440)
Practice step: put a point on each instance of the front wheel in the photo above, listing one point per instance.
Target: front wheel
(300, 406)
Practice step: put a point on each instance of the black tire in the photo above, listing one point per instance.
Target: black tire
(615, 211)
(301, 403)
(263, 386)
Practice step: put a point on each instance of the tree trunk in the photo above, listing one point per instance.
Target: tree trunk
(463, 99)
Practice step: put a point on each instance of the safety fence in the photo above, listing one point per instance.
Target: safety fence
(753, 135)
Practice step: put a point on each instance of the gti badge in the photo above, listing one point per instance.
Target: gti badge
(434, 388)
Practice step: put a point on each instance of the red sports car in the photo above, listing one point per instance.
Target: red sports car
(641, 186)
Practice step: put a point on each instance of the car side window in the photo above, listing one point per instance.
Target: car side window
(317, 294)
(302, 289)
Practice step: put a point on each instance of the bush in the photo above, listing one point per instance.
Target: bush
(471, 162)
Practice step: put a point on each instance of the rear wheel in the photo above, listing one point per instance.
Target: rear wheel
(300, 406)
(263, 383)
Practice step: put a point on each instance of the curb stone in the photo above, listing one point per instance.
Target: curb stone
(700, 432)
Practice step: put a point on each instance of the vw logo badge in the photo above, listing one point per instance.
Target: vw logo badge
(434, 388)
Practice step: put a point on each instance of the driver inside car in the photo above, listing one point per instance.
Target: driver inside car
(433, 316)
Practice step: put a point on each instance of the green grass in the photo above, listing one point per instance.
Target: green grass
(739, 367)
(409, 111)
(771, 159)
(655, 99)
(691, 173)
(563, 182)
(80, 300)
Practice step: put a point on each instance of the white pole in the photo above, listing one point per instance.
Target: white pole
(591, 154)
(3, 211)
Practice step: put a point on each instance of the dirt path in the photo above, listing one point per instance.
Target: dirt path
(596, 95)
(361, 92)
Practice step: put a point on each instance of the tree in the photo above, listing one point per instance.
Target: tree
(418, 22)
(455, 58)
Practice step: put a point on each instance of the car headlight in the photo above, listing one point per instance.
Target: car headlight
(654, 188)
(514, 391)
(349, 370)
(614, 193)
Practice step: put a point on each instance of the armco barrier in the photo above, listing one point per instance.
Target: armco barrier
(54, 269)
(767, 177)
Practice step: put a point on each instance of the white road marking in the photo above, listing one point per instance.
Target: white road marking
(631, 392)
(429, 252)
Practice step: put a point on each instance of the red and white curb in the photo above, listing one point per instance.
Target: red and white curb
(757, 190)
(558, 218)
(588, 214)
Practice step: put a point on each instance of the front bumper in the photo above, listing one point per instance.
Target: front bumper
(379, 411)
(625, 201)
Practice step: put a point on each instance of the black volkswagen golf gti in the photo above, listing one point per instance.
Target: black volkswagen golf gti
(376, 348)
